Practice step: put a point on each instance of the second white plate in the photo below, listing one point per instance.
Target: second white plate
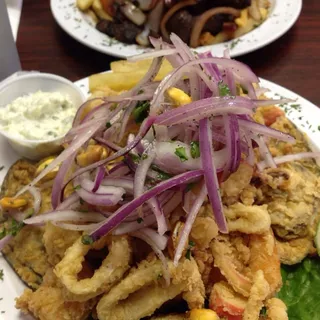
(283, 15)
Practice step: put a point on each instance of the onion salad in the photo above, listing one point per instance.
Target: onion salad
(149, 171)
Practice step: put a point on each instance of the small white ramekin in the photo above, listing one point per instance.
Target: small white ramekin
(30, 82)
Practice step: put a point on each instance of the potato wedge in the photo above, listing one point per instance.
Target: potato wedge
(98, 9)
(92, 15)
(119, 81)
(84, 4)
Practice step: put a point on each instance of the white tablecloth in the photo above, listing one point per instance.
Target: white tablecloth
(14, 10)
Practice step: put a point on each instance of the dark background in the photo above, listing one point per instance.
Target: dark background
(292, 61)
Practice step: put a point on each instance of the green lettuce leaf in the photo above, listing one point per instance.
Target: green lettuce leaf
(301, 290)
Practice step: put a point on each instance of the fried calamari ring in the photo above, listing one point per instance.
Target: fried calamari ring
(116, 263)
(144, 290)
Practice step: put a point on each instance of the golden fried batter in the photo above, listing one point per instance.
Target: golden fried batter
(48, 302)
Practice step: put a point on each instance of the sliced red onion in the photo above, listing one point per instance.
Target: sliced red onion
(36, 199)
(104, 196)
(4, 241)
(210, 176)
(65, 215)
(125, 183)
(101, 171)
(142, 170)
(264, 150)
(145, 126)
(161, 219)
(153, 244)
(57, 190)
(127, 209)
(198, 110)
(189, 222)
(76, 227)
(119, 170)
(110, 145)
(152, 54)
(264, 130)
(67, 203)
(75, 145)
(288, 158)
(167, 160)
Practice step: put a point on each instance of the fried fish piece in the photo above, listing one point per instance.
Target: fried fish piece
(25, 252)
(48, 302)
(56, 241)
(144, 290)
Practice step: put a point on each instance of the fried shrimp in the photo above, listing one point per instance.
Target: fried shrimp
(264, 256)
(144, 290)
(258, 293)
(112, 269)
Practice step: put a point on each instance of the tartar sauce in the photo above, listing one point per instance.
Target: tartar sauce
(38, 116)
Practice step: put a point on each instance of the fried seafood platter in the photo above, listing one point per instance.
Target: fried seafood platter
(180, 192)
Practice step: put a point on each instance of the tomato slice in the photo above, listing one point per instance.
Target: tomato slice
(108, 7)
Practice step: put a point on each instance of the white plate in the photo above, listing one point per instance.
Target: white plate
(304, 114)
(78, 25)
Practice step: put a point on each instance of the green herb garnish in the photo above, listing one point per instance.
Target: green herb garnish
(1, 274)
(195, 149)
(224, 90)
(141, 111)
(81, 201)
(144, 156)
(1, 168)
(86, 239)
(77, 187)
(188, 254)
(108, 124)
(15, 227)
(139, 220)
(181, 153)
(134, 157)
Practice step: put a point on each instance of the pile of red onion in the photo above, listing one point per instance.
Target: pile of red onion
(175, 148)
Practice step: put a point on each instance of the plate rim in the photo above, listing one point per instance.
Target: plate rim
(296, 7)
(12, 285)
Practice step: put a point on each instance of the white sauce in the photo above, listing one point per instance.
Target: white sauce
(38, 116)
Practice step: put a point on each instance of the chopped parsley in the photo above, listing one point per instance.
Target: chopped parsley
(144, 156)
(189, 186)
(113, 106)
(181, 153)
(160, 276)
(15, 227)
(224, 90)
(81, 201)
(1, 274)
(1, 168)
(190, 246)
(134, 157)
(108, 124)
(139, 220)
(234, 43)
(195, 149)
(77, 187)
(161, 174)
(141, 111)
(86, 239)
(318, 128)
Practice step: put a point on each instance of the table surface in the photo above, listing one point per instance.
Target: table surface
(292, 61)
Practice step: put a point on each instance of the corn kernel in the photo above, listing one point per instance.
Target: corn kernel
(51, 175)
(264, 13)
(203, 314)
(12, 203)
(178, 97)
(93, 154)
(243, 19)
